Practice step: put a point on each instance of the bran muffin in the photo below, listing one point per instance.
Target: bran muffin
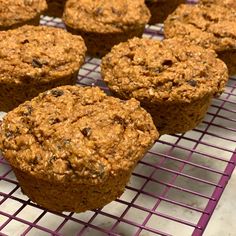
(55, 8)
(210, 26)
(172, 79)
(226, 3)
(34, 59)
(160, 9)
(73, 148)
(15, 13)
(102, 24)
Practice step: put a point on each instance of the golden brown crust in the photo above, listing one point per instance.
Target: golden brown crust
(105, 23)
(210, 26)
(34, 59)
(169, 71)
(77, 135)
(39, 53)
(226, 3)
(106, 16)
(18, 12)
(173, 79)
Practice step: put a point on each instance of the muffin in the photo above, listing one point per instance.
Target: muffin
(210, 26)
(15, 13)
(226, 3)
(102, 24)
(160, 9)
(55, 8)
(73, 148)
(34, 59)
(173, 79)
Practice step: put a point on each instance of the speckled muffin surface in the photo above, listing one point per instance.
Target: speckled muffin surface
(108, 21)
(161, 73)
(210, 26)
(105, 16)
(14, 13)
(76, 137)
(34, 59)
(226, 3)
(160, 9)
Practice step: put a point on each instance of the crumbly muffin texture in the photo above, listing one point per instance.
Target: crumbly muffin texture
(227, 3)
(13, 12)
(39, 53)
(169, 71)
(74, 134)
(105, 16)
(211, 26)
(34, 59)
(173, 79)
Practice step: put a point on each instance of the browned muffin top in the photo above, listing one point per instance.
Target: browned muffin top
(16, 11)
(79, 134)
(211, 26)
(171, 70)
(39, 52)
(227, 3)
(104, 16)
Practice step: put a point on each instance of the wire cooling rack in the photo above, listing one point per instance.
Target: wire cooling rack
(174, 188)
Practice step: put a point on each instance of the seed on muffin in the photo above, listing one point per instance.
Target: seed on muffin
(34, 59)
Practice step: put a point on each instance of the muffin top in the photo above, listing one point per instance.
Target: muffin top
(105, 16)
(211, 26)
(13, 12)
(227, 3)
(78, 134)
(39, 54)
(169, 71)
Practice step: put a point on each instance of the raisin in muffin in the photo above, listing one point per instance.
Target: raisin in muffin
(172, 79)
(15, 13)
(226, 3)
(55, 8)
(160, 9)
(210, 26)
(34, 59)
(73, 148)
(105, 23)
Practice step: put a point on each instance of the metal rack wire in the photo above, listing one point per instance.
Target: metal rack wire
(175, 187)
